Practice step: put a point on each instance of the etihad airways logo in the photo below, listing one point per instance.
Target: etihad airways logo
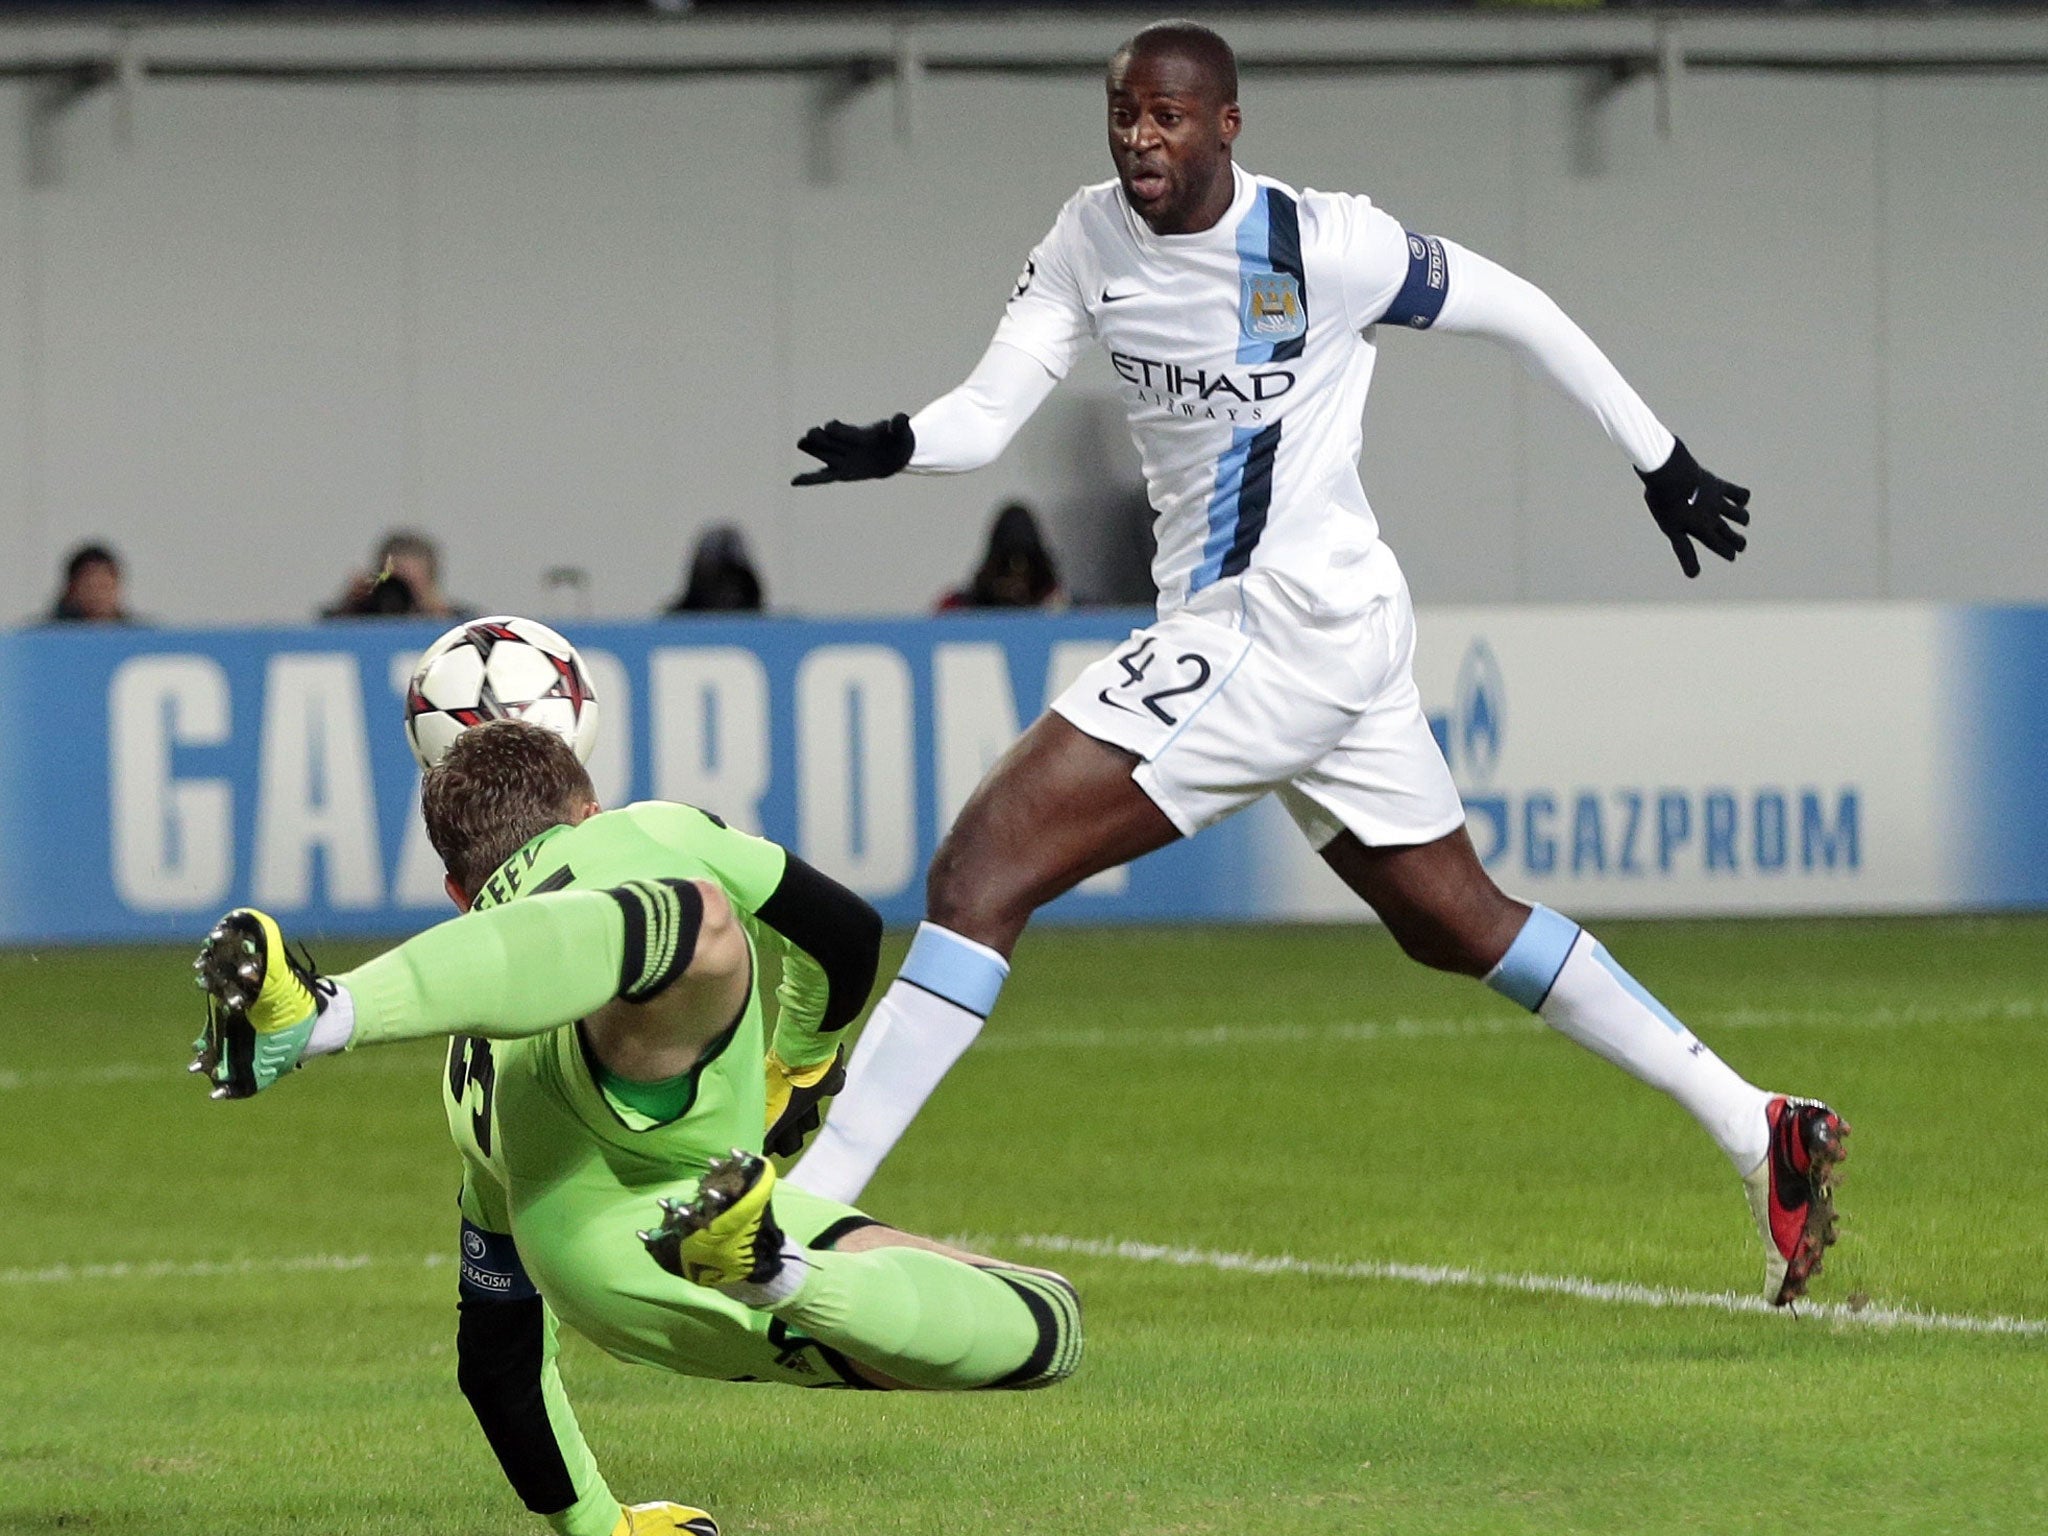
(1218, 394)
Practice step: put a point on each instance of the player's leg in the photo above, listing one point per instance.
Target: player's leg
(507, 973)
(1444, 910)
(1189, 720)
(1364, 808)
(1382, 810)
(1059, 1323)
(895, 1310)
(1058, 807)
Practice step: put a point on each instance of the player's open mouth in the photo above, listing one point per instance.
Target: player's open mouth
(1146, 186)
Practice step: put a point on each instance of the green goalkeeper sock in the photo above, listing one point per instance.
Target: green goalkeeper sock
(527, 967)
(932, 1322)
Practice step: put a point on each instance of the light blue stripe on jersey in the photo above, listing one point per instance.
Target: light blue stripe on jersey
(1528, 970)
(946, 965)
(1254, 259)
(1225, 504)
(1254, 256)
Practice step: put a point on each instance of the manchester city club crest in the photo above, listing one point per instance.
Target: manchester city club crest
(1272, 307)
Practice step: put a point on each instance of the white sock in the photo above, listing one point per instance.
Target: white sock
(925, 1021)
(780, 1287)
(336, 1025)
(910, 1044)
(1566, 976)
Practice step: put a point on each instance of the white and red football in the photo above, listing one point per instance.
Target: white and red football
(499, 668)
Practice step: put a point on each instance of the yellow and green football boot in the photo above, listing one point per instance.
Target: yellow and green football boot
(726, 1235)
(261, 1004)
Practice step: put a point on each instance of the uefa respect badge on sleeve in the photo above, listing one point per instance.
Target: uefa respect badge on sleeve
(491, 1269)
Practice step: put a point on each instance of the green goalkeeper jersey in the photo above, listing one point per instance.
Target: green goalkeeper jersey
(556, 1154)
(564, 1164)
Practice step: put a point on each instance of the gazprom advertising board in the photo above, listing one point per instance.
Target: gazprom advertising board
(1752, 759)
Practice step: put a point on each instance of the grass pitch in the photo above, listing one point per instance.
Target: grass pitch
(239, 1318)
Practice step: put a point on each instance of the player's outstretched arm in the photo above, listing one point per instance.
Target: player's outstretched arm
(1044, 326)
(959, 431)
(1689, 504)
(832, 945)
(505, 1364)
(506, 973)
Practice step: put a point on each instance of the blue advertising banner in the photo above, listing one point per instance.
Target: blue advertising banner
(2001, 733)
(1863, 757)
(151, 779)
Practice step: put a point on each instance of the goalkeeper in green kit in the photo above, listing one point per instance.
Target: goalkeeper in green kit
(612, 1091)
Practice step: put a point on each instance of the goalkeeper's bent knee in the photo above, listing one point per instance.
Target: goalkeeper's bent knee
(1055, 1306)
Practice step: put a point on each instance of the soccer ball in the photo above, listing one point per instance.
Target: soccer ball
(500, 668)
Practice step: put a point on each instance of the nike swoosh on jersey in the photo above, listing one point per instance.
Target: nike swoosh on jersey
(1118, 298)
(1115, 703)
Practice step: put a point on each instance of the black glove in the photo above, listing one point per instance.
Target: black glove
(873, 452)
(805, 1111)
(1690, 503)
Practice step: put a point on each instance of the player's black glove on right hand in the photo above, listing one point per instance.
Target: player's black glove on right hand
(872, 452)
(1690, 503)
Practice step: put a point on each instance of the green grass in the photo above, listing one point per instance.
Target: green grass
(1295, 1091)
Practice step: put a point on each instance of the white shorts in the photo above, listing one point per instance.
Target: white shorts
(1246, 691)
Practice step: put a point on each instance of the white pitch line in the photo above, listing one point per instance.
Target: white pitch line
(206, 1269)
(1622, 1293)
(172, 1070)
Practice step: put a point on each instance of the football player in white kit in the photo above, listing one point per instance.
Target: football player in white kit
(1241, 316)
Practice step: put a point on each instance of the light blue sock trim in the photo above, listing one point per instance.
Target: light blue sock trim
(964, 973)
(1636, 990)
(1529, 968)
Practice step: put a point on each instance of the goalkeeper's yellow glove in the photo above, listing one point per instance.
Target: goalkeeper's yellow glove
(663, 1519)
(796, 1097)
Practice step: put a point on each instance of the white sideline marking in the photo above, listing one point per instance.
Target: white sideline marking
(172, 1070)
(1617, 1292)
(1620, 1292)
(2017, 1010)
(207, 1269)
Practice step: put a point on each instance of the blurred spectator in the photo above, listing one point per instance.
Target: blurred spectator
(92, 589)
(374, 595)
(1017, 570)
(404, 579)
(722, 578)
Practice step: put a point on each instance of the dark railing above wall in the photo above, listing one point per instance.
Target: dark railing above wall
(556, 10)
(73, 49)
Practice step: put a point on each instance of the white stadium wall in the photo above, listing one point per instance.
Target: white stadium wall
(570, 324)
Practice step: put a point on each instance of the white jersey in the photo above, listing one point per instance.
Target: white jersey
(1244, 353)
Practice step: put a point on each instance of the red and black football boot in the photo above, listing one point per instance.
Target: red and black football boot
(1792, 1193)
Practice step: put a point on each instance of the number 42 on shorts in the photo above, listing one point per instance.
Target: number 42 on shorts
(1146, 689)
